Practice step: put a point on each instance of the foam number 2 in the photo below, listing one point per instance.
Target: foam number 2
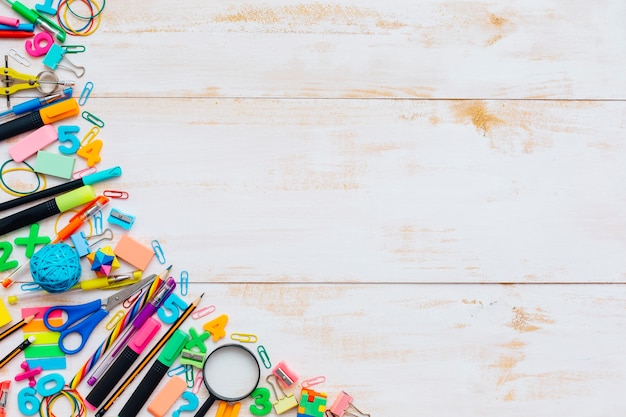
(66, 134)
(6, 249)
(40, 44)
(262, 405)
(174, 305)
(192, 401)
(91, 152)
(27, 402)
(216, 327)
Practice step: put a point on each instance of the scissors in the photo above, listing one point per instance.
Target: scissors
(84, 318)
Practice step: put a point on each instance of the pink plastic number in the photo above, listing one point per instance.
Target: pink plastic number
(40, 44)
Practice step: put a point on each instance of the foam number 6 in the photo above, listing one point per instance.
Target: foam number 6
(66, 134)
(91, 152)
(216, 327)
(6, 249)
(262, 405)
(27, 402)
(40, 44)
(173, 304)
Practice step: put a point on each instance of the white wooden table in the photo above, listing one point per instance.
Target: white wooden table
(421, 201)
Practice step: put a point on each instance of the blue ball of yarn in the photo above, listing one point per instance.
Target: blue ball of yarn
(56, 267)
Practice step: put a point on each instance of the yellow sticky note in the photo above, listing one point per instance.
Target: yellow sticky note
(5, 316)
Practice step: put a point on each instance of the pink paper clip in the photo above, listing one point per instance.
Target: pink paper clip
(122, 195)
(130, 300)
(203, 312)
(82, 172)
(197, 383)
(342, 404)
(316, 380)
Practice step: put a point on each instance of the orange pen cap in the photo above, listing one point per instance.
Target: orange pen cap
(59, 111)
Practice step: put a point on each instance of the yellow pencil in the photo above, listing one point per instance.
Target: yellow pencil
(26, 343)
(17, 326)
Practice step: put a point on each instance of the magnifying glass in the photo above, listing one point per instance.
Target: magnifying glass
(231, 372)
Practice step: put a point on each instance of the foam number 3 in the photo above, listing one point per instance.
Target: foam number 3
(174, 305)
(91, 152)
(216, 327)
(27, 402)
(66, 134)
(262, 405)
(6, 249)
(40, 44)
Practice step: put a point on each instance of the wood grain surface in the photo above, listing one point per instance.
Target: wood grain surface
(421, 201)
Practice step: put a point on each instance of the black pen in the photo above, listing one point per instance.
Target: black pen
(122, 364)
(47, 209)
(157, 371)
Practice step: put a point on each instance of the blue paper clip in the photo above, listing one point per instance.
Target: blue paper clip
(87, 89)
(184, 283)
(158, 251)
(97, 223)
(180, 369)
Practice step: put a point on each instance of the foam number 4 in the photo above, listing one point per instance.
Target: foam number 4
(6, 249)
(66, 134)
(91, 152)
(171, 308)
(40, 44)
(262, 405)
(27, 402)
(216, 327)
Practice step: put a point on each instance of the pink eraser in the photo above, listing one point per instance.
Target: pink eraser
(133, 252)
(166, 398)
(144, 335)
(33, 143)
(9, 21)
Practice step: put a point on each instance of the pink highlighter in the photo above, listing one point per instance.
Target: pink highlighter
(122, 363)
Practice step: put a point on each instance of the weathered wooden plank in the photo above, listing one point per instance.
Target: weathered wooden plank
(374, 190)
(348, 49)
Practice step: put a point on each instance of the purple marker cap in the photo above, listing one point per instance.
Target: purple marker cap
(154, 304)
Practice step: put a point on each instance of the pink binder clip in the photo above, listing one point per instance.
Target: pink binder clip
(342, 404)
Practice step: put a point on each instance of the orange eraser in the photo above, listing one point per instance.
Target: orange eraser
(133, 252)
(167, 397)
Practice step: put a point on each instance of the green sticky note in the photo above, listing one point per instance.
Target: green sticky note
(43, 351)
(54, 164)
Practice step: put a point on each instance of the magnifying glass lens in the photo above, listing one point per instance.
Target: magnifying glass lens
(231, 373)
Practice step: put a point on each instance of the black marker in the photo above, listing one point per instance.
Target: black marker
(122, 364)
(159, 368)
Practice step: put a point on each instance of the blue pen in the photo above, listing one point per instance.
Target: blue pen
(37, 103)
(26, 27)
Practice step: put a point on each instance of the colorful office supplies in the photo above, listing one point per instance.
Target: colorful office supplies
(103, 261)
(42, 22)
(4, 395)
(284, 402)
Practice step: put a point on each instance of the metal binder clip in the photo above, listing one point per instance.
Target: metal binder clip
(342, 404)
(286, 402)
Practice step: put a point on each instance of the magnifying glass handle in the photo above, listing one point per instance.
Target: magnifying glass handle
(205, 407)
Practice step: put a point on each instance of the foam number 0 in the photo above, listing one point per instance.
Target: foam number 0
(262, 405)
(40, 44)
(174, 304)
(6, 249)
(91, 152)
(66, 134)
(216, 327)
(27, 402)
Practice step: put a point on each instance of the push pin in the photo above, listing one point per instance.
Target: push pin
(286, 402)
(123, 220)
(284, 375)
(29, 374)
(342, 404)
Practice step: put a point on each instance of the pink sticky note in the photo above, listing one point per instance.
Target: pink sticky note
(32, 143)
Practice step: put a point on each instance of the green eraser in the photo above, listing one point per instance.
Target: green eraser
(75, 198)
(174, 346)
(54, 164)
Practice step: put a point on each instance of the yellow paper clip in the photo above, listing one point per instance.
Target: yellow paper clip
(158, 251)
(184, 283)
(244, 337)
(92, 118)
(115, 319)
(198, 314)
(90, 135)
(265, 359)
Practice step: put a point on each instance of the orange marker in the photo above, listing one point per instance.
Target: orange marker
(79, 218)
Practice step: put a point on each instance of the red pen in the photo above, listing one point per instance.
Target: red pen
(79, 218)
(16, 34)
